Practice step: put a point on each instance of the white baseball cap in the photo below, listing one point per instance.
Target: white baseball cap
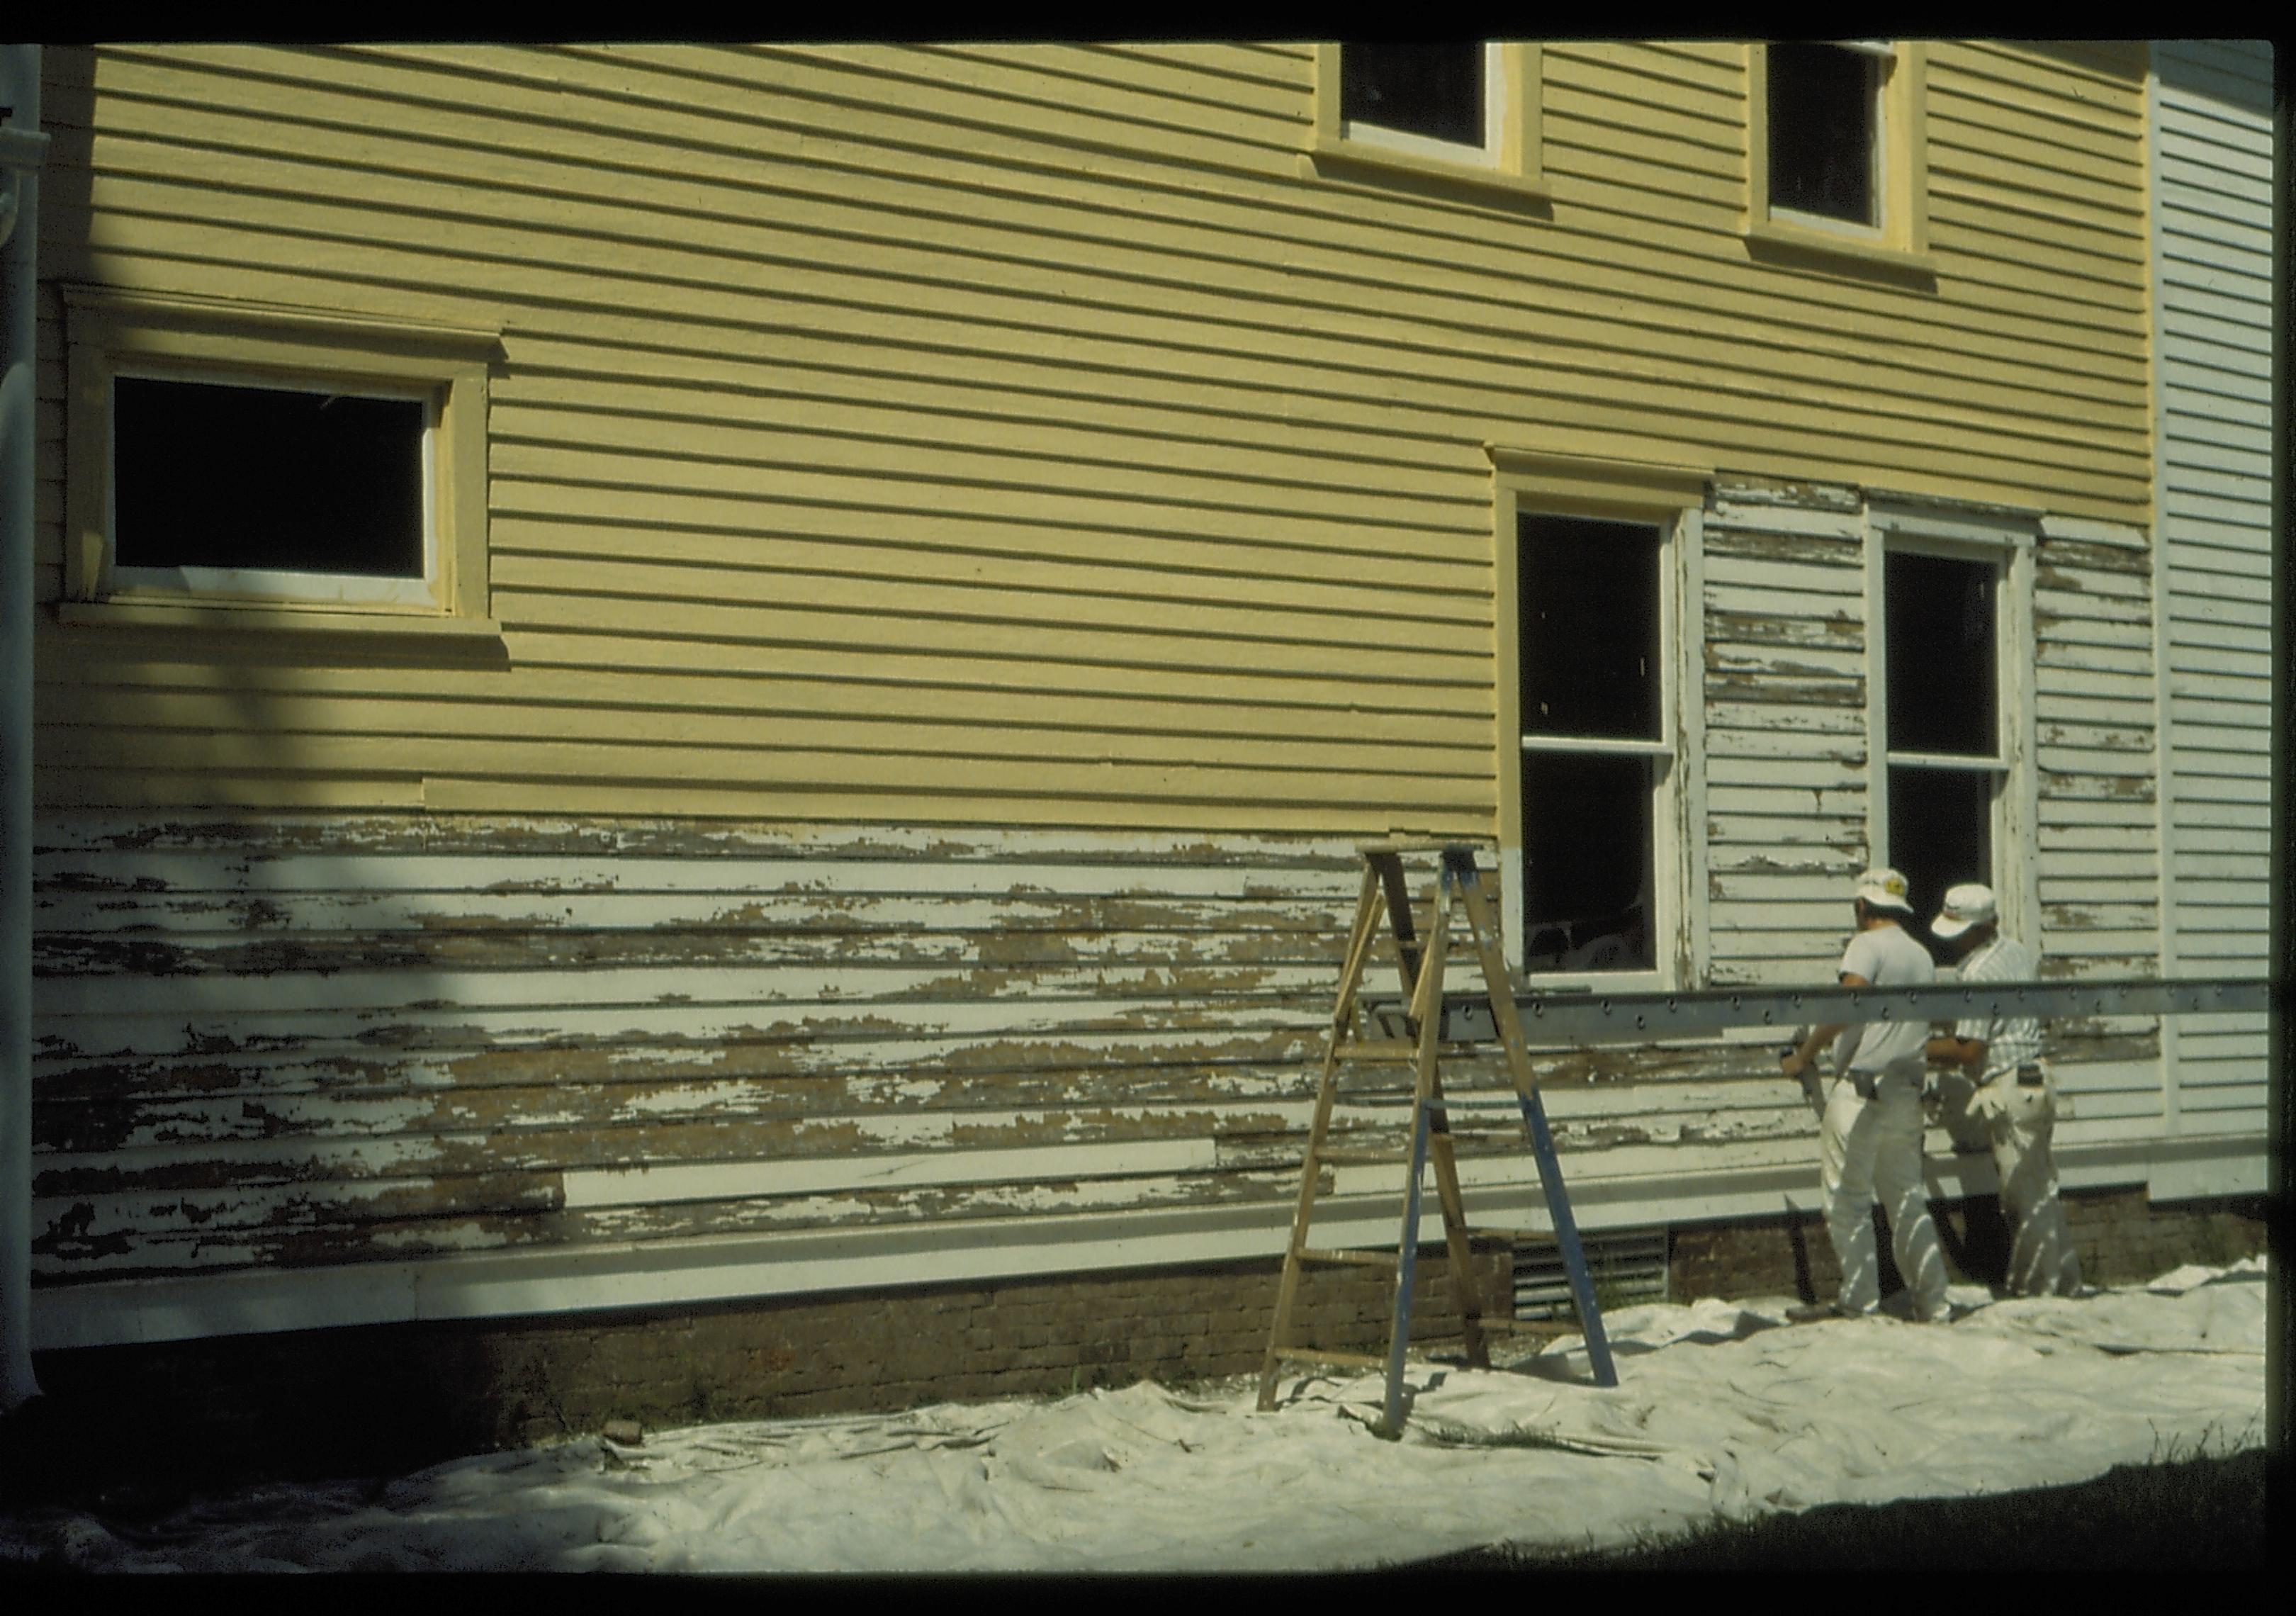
(1966, 906)
(1883, 889)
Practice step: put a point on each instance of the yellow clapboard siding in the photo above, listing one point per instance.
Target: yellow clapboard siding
(973, 395)
(586, 153)
(970, 726)
(124, 187)
(853, 611)
(1137, 80)
(940, 375)
(1317, 683)
(807, 509)
(377, 699)
(2028, 271)
(756, 768)
(883, 556)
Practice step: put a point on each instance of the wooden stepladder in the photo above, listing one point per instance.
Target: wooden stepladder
(1421, 963)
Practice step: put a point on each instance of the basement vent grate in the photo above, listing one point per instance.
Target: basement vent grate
(1627, 1266)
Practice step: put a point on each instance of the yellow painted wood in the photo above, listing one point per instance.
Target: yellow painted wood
(1038, 381)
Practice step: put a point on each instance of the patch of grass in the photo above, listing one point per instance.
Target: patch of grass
(2198, 1514)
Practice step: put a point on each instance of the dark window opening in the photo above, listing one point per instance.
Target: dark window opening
(1939, 617)
(207, 475)
(1940, 833)
(1430, 89)
(1587, 862)
(1821, 120)
(1587, 623)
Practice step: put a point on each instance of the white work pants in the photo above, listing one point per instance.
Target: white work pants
(1870, 1148)
(2015, 1122)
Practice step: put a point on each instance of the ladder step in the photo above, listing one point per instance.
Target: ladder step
(1379, 1049)
(1343, 1158)
(1365, 1259)
(1346, 1360)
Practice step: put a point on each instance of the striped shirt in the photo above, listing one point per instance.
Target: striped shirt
(2010, 1040)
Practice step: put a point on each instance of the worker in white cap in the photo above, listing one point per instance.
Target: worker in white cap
(1998, 1089)
(1871, 1130)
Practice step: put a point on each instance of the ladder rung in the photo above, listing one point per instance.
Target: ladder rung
(1346, 1360)
(1347, 1158)
(1367, 1260)
(1378, 1049)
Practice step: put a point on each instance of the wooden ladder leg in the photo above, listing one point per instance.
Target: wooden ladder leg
(1509, 1025)
(1287, 1289)
(1465, 1287)
(1427, 1006)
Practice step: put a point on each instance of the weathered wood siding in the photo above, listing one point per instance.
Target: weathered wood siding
(2097, 860)
(1785, 622)
(307, 1043)
(2212, 165)
(1014, 435)
(1788, 624)
(1014, 442)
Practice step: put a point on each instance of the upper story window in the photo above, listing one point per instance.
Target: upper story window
(1461, 112)
(1826, 131)
(241, 457)
(1440, 93)
(1838, 153)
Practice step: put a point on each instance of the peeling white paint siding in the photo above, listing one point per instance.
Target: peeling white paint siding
(1784, 631)
(2212, 139)
(242, 1070)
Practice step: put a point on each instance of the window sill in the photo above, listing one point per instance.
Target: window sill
(1803, 246)
(1360, 163)
(458, 636)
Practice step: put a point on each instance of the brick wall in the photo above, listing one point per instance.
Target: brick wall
(381, 1399)
(387, 1399)
(2121, 1237)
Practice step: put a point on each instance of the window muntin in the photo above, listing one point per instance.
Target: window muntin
(1595, 754)
(1941, 720)
(1825, 132)
(290, 481)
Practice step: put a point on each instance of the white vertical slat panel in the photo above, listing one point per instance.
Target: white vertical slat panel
(2212, 155)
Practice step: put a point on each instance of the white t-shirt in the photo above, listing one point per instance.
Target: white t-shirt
(1887, 957)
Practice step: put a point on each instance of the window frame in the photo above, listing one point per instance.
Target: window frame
(1670, 498)
(2007, 542)
(1900, 240)
(112, 333)
(1511, 159)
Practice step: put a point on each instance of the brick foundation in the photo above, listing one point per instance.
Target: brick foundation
(387, 1398)
(384, 1399)
(2120, 1235)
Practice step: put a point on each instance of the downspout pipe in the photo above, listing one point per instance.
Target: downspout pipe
(24, 146)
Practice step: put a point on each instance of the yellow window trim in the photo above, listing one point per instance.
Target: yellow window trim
(1900, 248)
(107, 330)
(1666, 496)
(1517, 167)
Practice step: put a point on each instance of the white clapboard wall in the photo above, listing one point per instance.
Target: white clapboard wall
(2212, 160)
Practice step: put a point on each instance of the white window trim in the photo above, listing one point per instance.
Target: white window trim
(1509, 161)
(1900, 242)
(2004, 540)
(112, 334)
(1671, 499)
